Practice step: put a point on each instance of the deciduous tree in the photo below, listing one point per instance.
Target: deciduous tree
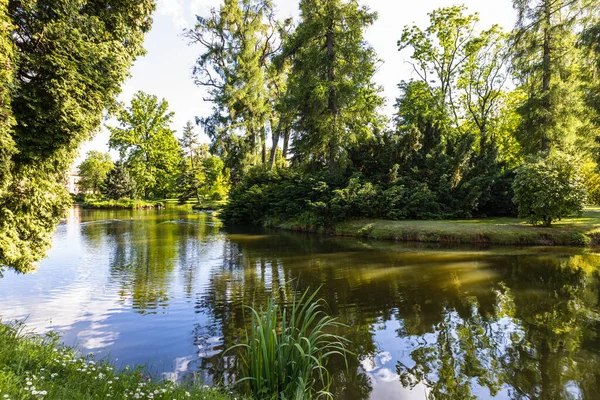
(68, 59)
(147, 144)
(93, 171)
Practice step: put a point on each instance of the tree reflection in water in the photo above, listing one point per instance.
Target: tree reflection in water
(479, 326)
(449, 323)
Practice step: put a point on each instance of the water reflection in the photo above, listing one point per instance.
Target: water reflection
(168, 287)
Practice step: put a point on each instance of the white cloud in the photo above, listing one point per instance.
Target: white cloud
(173, 9)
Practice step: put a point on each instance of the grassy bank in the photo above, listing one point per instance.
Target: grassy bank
(121, 204)
(34, 367)
(573, 231)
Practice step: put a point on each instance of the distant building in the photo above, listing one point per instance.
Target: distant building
(73, 182)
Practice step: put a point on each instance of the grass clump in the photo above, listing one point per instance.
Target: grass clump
(37, 367)
(286, 351)
(122, 204)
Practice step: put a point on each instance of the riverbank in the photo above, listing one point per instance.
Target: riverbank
(121, 204)
(573, 231)
(32, 367)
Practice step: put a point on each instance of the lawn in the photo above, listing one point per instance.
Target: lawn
(581, 230)
(36, 367)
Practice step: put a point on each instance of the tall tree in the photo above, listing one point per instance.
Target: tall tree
(147, 144)
(331, 84)
(191, 174)
(93, 171)
(548, 65)
(68, 59)
(239, 40)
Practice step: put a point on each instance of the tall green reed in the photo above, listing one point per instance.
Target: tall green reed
(286, 351)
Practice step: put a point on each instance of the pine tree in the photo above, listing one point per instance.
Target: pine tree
(549, 67)
(118, 183)
(331, 82)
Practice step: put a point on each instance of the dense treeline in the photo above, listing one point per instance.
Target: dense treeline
(481, 103)
(152, 163)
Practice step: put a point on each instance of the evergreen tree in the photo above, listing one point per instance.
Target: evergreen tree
(549, 67)
(118, 183)
(331, 88)
(147, 144)
(239, 41)
(63, 63)
(191, 175)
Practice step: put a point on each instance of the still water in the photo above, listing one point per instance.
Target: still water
(168, 288)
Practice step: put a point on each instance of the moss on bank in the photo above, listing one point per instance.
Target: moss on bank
(573, 231)
(36, 367)
(121, 204)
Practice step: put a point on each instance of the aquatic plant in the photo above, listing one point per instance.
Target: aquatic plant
(286, 350)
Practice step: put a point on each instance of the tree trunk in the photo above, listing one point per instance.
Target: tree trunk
(286, 142)
(263, 139)
(332, 97)
(275, 136)
(546, 73)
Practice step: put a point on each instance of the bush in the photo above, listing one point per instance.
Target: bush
(592, 182)
(286, 350)
(548, 188)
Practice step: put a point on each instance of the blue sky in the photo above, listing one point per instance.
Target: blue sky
(166, 68)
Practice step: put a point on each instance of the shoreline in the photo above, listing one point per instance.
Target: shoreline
(577, 231)
(38, 366)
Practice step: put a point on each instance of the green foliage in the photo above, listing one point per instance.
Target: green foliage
(118, 184)
(38, 367)
(68, 59)
(589, 171)
(121, 204)
(93, 171)
(549, 188)
(331, 87)
(239, 41)
(551, 69)
(202, 176)
(286, 350)
(147, 145)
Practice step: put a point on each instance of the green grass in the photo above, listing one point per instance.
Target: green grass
(209, 205)
(572, 231)
(286, 350)
(121, 204)
(36, 367)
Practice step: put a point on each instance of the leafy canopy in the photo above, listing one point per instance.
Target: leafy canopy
(93, 171)
(65, 63)
(147, 144)
(548, 188)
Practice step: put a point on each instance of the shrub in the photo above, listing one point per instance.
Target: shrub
(286, 351)
(548, 188)
(592, 182)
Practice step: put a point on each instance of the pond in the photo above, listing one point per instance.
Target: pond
(168, 288)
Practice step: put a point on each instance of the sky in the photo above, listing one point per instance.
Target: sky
(165, 70)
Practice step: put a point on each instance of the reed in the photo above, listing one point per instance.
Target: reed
(287, 348)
